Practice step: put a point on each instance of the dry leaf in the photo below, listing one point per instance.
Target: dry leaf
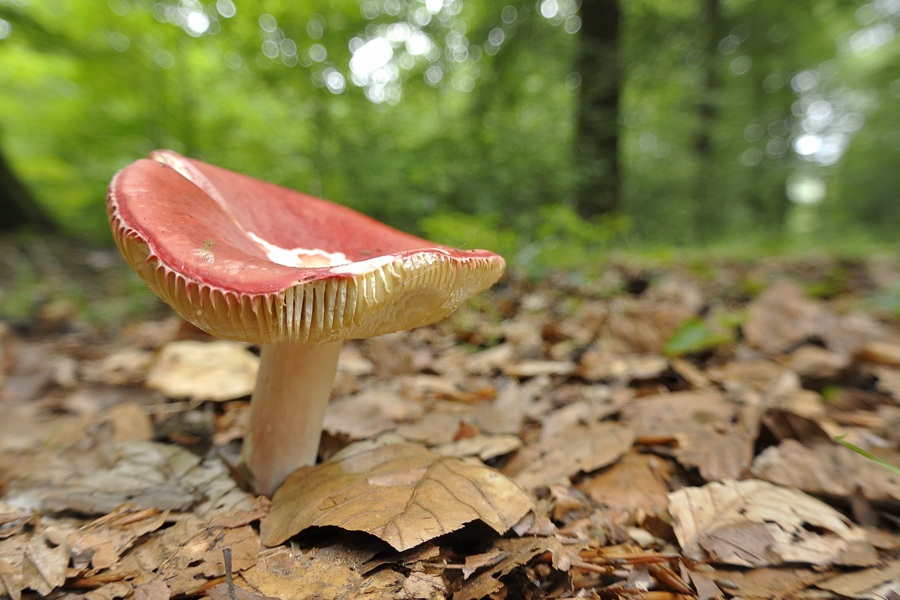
(44, 567)
(717, 454)
(218, 370)
(369, 413)
(878, 582)
(635, 483)
(672, 413)
(754, 523)
(329, 573)
(402, 494)
(484, 447)
(510, 554)
(765, 583)
(130, 422)
(828, 469)
(578, 449)
(225, 591)
(781, 318)
(424, 586)
(881, 353)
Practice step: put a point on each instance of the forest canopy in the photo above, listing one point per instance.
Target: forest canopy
(519, 126)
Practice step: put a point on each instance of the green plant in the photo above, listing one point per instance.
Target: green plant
(892, 468)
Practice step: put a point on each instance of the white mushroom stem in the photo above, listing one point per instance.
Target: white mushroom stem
(287, 410)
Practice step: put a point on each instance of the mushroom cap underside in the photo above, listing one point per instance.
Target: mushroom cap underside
(249, 260)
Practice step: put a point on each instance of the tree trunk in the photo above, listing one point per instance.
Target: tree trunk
(18, 207)
(706, 206)
(597, 133)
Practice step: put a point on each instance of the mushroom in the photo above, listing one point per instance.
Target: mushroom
(250, 261)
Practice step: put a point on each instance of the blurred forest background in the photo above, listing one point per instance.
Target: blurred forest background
(542, 129)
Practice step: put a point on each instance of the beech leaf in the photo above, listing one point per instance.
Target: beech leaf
(754, 523)
(403, 494)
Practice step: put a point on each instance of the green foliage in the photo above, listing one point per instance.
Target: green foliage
(564, 240)
(697, 335)
(470, 127)
(466, 231)
(892, 468)
(554, 237)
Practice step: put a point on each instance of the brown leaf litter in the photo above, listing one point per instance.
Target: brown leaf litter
(541, 443)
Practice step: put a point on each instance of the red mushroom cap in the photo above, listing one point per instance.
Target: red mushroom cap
(251, 261)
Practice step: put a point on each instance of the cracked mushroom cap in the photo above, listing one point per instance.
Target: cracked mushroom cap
(251, 261)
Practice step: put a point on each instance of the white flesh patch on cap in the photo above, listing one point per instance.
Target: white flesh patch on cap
(299, 257)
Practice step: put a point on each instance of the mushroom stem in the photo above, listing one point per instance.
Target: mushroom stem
(287, 410)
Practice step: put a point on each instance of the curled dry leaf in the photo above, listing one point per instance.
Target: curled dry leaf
(754, 523)
(402, 494)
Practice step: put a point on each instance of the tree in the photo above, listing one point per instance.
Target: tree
(18, 207)
(597, 128)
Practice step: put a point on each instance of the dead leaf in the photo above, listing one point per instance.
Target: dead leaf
(434, 427)
(484, 447)
(225, 591)
(765, 583)
(44, 566)
(578, 449)
(602, 365)
(877, 582)
(402, 494)
(424, 586)
(154, 589)
(102, 542)
(828, 469)
(329, 573)
(781, 317)
(754, 523)
(189, 553)
(218, 370)
(635, 483)
(881, 353)
(717, 454)
(669, 414)
(130, 422)
(370, 412)
(533, 368)
(510, 554)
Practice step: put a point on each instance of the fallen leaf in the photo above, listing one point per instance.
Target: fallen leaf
(424, 586)
(782, 317)
(484, 447)
(717, 454)
(878, 352)
(754, 523)
(130, 422)
(765, 583)
(225, 591)
(218, 370)
(533, 368)
(402, 494)
(578, 449)
(635, 483)
(672, 413)
(877, 582)
(510, 554)
(828, 469)
(44, 565)
(369, 412)
(154, 589)
(329, 573)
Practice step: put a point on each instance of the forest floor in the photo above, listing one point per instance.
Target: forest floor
(664, 431)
